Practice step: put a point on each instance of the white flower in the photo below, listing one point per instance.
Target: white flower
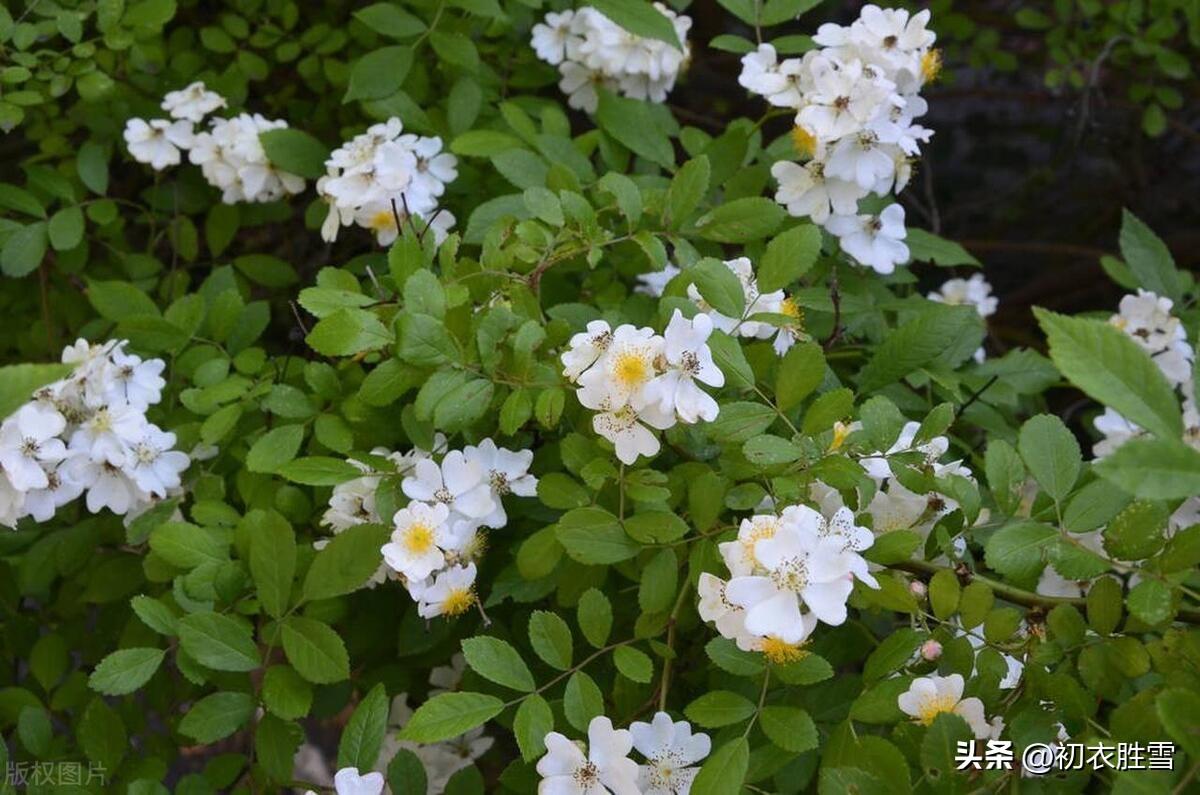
(928, 697)
(29, 442)
(192, 103)
(12, 501)
(1147, 319)
(781, 84)
(844, 97)
(157, 142)
(352, 503)
(606, 768)
(506, 472)
(670, 750)
(138, 383)
(107, 484)
(862, 159)
(550, 37)
(109, 433)
(655, 282)
(714, 606)
(232, 159)
(60, 489)
(689, 360)
(755, 302)
(416, 547)
(807, 192)
(627, 429)
(348, 781)
(458, 483)
(451, 593)
(586, 348)
(154, 466)
(739, 555)
(621, 375)
(974, 291)
(876, 241)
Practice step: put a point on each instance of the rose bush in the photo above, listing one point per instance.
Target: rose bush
(405, 395)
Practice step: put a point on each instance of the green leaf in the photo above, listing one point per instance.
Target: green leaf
(937, 331)
(719, 286)
(66, 228)
(892, 653)
(729, 658)
(1178, 710)
(582, 700)
(155, 615)
(119, 300)
(551, 639)
(531, 724)
(939, 746)
(20, 200)
(1154, 469)
(390, 20)
(497, 661)
(626, 193)
(725, 771)
(275, 448)
(718, 708)
(295, 151)
(406, 773)
(424, 341)
(640, 18)
(448, 715)
(362, 739)
(594, 536)
(925, 246)
(219, 642)
(272, 560)
(595, 616)
(102, 735)
(1111, 368)
(1051, 454)
(1149, 258)
(346, 563)
(347, 332)
(379, 73)
(1005, 474)
(18, 382)
(24, 250)
(319, 471)
(91, 164)
(789, 256)
(740, 421)
(285, 693)
(315, 650)
(686, 191)
(633, 123)
(741, 220)
(217, 716)
(1016, 550)
(1104, 605)
(790, 728)
(944, 591)
(1136, 532)
(1150, 601)
(124, 671)
(633, 664)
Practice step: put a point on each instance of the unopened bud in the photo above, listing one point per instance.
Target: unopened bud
(917, 589)
(931, 650)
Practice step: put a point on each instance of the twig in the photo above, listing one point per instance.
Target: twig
(836, 298)
(975, 396)
(299, 320)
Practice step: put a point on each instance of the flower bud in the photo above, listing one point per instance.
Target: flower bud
(931, 650)
(917, 589)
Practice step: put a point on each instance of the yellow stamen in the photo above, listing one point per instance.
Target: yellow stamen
(804, 142)
(790, 308)
(418, 539)
(840, 431)
(631, 369)
(781, 652)
(931, 65)
(458, 601)
(934, 707)
(384, 219)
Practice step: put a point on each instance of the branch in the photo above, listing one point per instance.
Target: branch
(1017, 595)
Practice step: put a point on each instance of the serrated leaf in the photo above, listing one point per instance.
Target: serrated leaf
(448, 715)
(124, 671)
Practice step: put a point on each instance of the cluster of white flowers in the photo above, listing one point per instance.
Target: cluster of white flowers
(788, 572)
(756, 303)
(975, 292)
(634, 378)
(438, 537)
(603, 766)
(930, 696)
(89, 433)
(1146, 317)
(229, 153)
(856, 100)
(591, 52)
(383, 178)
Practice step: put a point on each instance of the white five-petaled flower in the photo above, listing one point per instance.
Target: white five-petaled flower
(192, 103)
(153, 463)
(506, 472)
(930, 696)
(417, 545)
(627, 429)
(586, 348)
(28, 443)
(158, 142)
(451, 592)
(689, 360)
(348, 781)
(808, 192)
(620, 377)
(457, 483)
(876, 241)
(605, 768)
(671, 751)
